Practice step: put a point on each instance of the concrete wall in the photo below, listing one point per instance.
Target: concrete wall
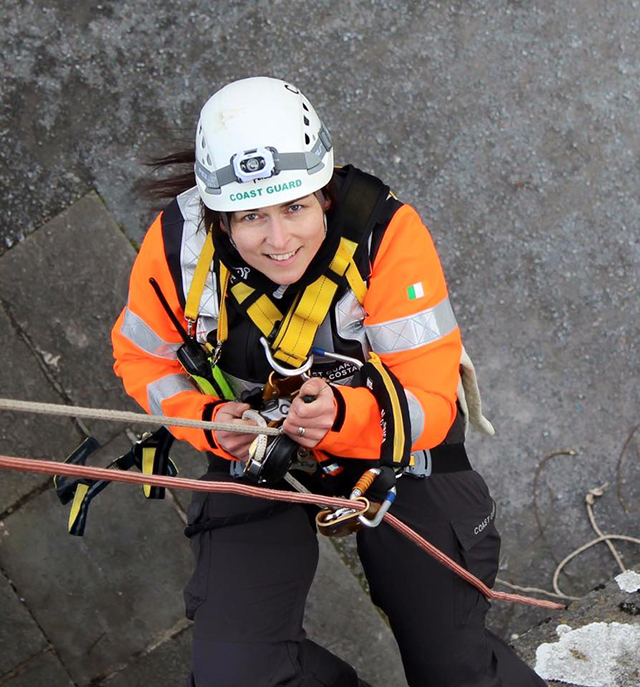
(510, 125)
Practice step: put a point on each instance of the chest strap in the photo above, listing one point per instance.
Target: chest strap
(291, 335)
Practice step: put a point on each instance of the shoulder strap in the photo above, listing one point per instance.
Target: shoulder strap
(199, 278)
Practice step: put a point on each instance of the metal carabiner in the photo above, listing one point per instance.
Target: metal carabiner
(316, 350)
(384, 507)
(286, 371)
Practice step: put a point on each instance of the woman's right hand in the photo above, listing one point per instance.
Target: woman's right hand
(235, 443)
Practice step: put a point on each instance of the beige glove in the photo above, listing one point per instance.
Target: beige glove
(469, 398)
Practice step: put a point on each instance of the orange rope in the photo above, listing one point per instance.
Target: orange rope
(55, 468)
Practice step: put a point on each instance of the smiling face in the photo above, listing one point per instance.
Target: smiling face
(280, 240)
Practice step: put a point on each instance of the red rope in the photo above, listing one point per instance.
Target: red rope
(54, 468)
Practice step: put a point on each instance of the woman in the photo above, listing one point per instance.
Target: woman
(265, 252)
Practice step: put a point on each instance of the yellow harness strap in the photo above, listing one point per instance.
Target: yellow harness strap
(398, 449)
(356, 282)
(297, 329)
(196, 289)
(199, 278)
(263, 313)
(296, 334)
(223, 327)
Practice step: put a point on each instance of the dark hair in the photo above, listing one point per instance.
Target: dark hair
(161, 190)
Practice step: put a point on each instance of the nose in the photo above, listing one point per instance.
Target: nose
(278, 235)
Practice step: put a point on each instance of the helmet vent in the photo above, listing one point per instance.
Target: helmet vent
(307, 140)
(202, 142)
(304, 105)
(209, 160)
(306, 121)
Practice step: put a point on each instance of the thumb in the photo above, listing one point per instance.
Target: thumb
(313, 387)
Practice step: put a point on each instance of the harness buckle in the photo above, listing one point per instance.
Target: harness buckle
(217, 352)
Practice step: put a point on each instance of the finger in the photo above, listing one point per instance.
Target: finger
(310, 439)
(313, 387)
(321, 409)
(232, 409)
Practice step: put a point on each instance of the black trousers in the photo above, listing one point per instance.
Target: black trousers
(437, 618)
(250, 583)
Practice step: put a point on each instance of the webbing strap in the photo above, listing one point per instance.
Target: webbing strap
(196, 289)
(297, 331)
(149, 455)
(395, 449)
(265, 314)
(223, 327)
(238, 519)
(356, 282)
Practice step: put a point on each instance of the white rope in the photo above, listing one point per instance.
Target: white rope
(590, 498)
(130, 418)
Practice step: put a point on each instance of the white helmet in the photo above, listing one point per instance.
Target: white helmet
(260, 142)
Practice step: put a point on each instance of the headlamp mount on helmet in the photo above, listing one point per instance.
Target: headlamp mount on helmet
(254, 164)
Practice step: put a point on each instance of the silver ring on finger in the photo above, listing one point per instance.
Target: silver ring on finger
(301, 431)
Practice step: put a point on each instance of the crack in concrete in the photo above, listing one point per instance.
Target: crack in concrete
(50, 648)
(80, 425)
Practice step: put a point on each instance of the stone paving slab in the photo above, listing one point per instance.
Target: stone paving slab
(168, 665)
(21, 434)
(104, 597)
(65, 287)
(44, 670)
(20, 637)
(341, 617)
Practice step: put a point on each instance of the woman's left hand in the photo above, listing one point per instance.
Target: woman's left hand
(316, 417)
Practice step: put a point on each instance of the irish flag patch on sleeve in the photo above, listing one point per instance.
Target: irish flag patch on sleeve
(415, 291)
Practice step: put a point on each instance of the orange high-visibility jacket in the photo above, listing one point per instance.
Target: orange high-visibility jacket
(407, 320)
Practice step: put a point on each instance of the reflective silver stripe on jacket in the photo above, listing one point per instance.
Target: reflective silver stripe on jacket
(193, 236)
(416, 415)
(349, 316)
(165, 388)
(412, 331)
(140, 333)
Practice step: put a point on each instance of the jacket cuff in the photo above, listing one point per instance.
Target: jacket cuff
(209, 415)
(356, 431)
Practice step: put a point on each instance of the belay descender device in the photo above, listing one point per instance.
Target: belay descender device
(271, 458)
